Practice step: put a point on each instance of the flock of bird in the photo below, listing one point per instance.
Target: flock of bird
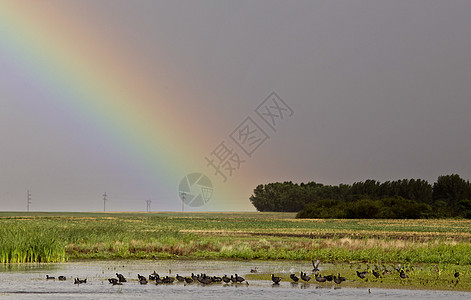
(205, 279)
(381, 272)
(201, 278)
(306, 278)
(63, 278)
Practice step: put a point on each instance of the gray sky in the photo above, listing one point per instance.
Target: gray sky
(379, 89)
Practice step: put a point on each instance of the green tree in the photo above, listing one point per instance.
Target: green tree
(451, 189)
(363, 209)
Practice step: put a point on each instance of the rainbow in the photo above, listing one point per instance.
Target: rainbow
(98, 80)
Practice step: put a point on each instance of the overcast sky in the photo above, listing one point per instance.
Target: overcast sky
(378, 89)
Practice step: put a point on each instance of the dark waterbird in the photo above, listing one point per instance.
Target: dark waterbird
(121, 278)
(340, 277)
(205, 279)
(457, 274)
(403, 275)
(143, 280)
(329, 277)
(362, 275)
(294, 277)
(50, 277)
(275, 279)
(180, 278)
(62, 278)
(140, 277)
(239, 278)
(188, 280)
(337, 280)
(80, 281)
(114, 281)
(315, 265)
(305, 277)
(376, 274)
(168, 279)
(158, 280)
(320, 278)
(226, 279)
(153, 276)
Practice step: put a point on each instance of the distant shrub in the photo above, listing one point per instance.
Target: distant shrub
(388, 208)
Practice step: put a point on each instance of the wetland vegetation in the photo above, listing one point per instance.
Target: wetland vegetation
(430, 250)
(52, 237)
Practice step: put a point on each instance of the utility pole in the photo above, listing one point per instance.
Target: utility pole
(148, 202)
(183, 201)
(104, 201)
(28, 200)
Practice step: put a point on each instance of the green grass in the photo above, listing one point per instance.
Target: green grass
(52, 237)
(20, 243)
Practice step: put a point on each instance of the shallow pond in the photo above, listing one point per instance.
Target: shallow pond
(28, 281)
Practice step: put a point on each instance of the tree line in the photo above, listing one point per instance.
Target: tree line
(449, 196)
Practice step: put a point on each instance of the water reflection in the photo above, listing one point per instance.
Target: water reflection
(25, 267)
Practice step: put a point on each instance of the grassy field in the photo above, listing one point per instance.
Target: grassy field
(51, 237)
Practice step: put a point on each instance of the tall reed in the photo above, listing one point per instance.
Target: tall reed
(22, 243)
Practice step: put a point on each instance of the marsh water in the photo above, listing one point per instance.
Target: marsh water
(28, 281)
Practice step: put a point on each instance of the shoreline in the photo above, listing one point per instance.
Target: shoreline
(420, 276)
